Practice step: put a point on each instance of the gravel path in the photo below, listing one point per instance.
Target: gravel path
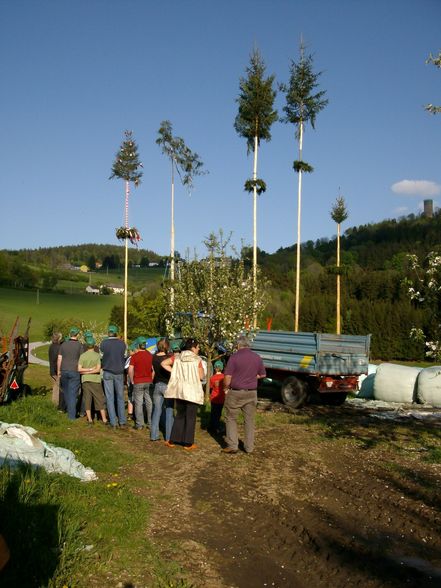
(32, 357)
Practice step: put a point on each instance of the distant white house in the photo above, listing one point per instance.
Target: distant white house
(117, 290)
(153, 264)
(91, 290)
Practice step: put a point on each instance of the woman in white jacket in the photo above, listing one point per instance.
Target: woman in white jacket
(186, 388)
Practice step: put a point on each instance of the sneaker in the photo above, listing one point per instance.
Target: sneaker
(169, 444)
(229, 450)
(123, 426)
(89, 423)
(190, 447)
(138, 427)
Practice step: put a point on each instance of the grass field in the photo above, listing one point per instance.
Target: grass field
(74, 303)
(25, 304)
(137, 277)
(66, 533)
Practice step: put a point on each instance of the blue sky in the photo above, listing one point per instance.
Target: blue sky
(76, 74)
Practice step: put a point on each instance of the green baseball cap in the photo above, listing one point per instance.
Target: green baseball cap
(219, 364)
(112, 329)
(74, 331)
(175, 346)
(90, 341)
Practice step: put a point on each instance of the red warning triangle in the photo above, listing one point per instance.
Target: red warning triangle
(14, 385)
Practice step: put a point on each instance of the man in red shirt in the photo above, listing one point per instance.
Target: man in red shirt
(141, 376)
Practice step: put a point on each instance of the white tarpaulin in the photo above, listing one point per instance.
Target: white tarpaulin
(395, 411)
(19, 445)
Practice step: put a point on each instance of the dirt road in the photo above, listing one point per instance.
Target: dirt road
(331, 497)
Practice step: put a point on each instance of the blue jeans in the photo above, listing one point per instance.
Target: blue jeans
(114, 390)
(70, 384)
(141, 396)
(158, 402)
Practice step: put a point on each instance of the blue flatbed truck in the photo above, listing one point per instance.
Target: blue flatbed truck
(306, 363)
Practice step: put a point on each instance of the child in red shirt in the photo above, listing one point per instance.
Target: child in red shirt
(217, 397)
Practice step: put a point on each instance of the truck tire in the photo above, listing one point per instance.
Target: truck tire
(294, 392)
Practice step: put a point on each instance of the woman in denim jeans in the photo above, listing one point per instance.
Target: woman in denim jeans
(160, 382)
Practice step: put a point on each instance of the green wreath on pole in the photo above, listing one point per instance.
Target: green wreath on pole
(131, 233)
(260, 186)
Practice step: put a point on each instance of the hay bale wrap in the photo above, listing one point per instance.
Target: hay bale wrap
(395, 383)
(366, 383)
(429, 386)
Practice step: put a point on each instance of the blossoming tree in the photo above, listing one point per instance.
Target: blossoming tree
(214, 298)
(424, 289)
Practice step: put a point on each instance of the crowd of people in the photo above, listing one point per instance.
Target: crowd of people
(164, 389)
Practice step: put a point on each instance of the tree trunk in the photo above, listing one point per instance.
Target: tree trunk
(299, 210)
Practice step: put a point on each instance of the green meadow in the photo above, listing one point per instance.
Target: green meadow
(138, 279)
(71, 302)
(44, 306)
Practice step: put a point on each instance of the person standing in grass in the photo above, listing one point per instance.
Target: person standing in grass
(133, 348)
(89, 366)
(67, 369)
(185, 386)
(53, 351)
(217, 397)
(141, 376)
(112, 362)
(244, 369)
(160, 381)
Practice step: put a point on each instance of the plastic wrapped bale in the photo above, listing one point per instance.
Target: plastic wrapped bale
(395, 383)
(429, 386)
(366, 383)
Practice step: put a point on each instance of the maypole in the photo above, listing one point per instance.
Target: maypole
(172, 234)
(126, 259)
(299, 220)
(126, 167)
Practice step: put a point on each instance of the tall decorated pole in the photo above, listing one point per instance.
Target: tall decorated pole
(188, 165)
(339, 213)
(302, 106)
(253, 122)
(127, 167)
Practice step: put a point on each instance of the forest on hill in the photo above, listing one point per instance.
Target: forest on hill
(374, 266)
(46, 267)
(374, 297)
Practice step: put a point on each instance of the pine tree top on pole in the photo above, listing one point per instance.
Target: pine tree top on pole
(127, 165)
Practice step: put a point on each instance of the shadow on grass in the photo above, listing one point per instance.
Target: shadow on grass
(31, 531)
(205, 415)
(367, 431)
(405, 554)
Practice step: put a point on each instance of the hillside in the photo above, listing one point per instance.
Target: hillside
(374, 265)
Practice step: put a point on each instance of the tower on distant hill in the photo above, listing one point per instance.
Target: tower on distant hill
(428, 208)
